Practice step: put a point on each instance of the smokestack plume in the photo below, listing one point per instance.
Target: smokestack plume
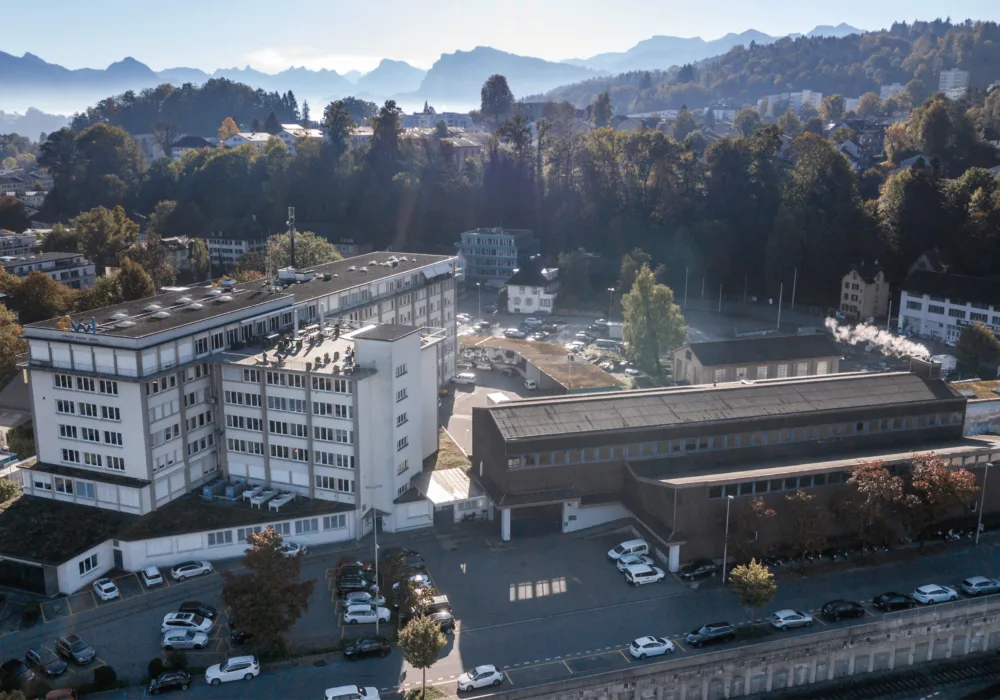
(881, 340)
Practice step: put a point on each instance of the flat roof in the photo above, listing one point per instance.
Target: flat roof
(674, 471)
(446, 486)
(295, 359)
(386, 331)
(102, 476)
(551, 359)
(652, 408)
(773, 348)
(957, 288)
(40, 257)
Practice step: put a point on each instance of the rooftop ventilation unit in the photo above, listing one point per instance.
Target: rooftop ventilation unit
(161, 314)
(352, 268)
(214, 292)
(364, 269)
(223, 298)
(373, 263)
(403, 259)
(120, 316)
(153, 307)
(124, 324)
(196, 306)
(185, 300)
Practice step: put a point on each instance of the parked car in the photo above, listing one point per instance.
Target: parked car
(490, 308)
(532, 321)
(351, 692)
(640, 574)
(418, 580)
(346, 563)
(46, 661)
(73, 648)
(198, 608)
(16, 672)
(633, 559)
(187, 569)
(238, 635)
(632, 372)
(699, 568)
(893, 601)
(515, 333)
(151, 576)
(233, 669)
(445, 621)
(530, 384)
(789, 619)
(293, 549)
(183, 639)
(365, 614)
(480, 677)
(978, 585)
(374, 646)
(170, 680)
(933, 593)
(350, 584)
(585, 336)
(838, 609)
(484, 325)
(105, 589)
(626, 548)
(712, 633)
(363, 598)
(507, 371)
(408, 558)
(185, 621)
(650, 646)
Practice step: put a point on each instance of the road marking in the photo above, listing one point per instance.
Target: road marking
(507, 675)
(625, 657)
(567, 667)
(820, 621)
(680, 646)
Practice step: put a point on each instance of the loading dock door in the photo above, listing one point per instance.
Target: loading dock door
(536, 520)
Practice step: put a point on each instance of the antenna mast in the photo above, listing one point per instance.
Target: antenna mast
(291, 233)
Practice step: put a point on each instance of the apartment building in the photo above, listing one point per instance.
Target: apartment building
(954, 83)
(939, 305)
(228, 240)
(491, 255)
(72, 269)
(17, 244)
(138, 406)
(864, 292)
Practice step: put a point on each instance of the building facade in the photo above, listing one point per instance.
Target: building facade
(228, 240)
(864, 292)
(954, 83)
(770, 357)
(939, 305)
(17, 244)
(493, 254)
(532, 290)
(72, 269)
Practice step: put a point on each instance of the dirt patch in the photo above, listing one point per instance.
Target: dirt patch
(448, 456)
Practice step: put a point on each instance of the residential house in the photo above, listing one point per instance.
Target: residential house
(628, 124)
(179, 251)
(794, 101)
(360, 135)
(17, 244)
(453, 120)
(148, 147)
(72, 269)
(459, 148)
(887, 91)
(532, 290)
(186, 144)
(256, 139)
(12, 184)
(33, 199)
(864, 292)
(291, 134)
(492, 255)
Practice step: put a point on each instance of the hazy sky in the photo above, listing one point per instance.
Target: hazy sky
(346, 35)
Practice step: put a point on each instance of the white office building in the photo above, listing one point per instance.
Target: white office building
(304, 404)
(938, 305)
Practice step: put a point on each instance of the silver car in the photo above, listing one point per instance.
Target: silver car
(184, 639)
(362, 598)
(980, 585)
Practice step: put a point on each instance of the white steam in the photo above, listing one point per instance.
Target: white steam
(881, 340)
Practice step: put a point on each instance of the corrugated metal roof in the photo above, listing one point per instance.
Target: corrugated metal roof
(689, 405)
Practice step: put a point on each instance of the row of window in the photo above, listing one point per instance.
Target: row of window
(332, 483)
(103, 386)
(199, 420)
(297, 454)
(88, 410)
(246, 446)
(336, 410)
(334, 459)
(244, 423)
(239, 398)
(171, 432)
(93, 459)
(277, 427)
(792, 483)
(200, 445)
(291, 379)
(72, 432)
(164, 410)
(166, 459)
(83, 489)
(345, 437)
(280, 403)
(974, 316)
(301, 527)
(161, 384)
(337, 386)
(681, 446)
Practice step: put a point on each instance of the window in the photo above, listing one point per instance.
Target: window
(91, 435)
(65, 407)
(935, 309)
(68, 431)
(252, 376)
(44, 485)
(330, 483)
(914, 305)
(116, 463)
(402, 466)
(821, 366)
(801, 369)
(111, 413)
(217, 539)
(110, 387)
(63, 381)
(342, 411)
(85, 489)
(84, 384)
(201, 346)
(217, 341)
(762, 372)
(112, 438)
(782, 370)
(92, 459)
(64, 485)
(401, 419)
(956, 313)
(334, 522)
(981, 318)
(720, 375)
(245, 446)
(741, 372)
(402, 443)
(308, 525)
(401, 370)
(71, 456)
(243, 532)
(88, 564)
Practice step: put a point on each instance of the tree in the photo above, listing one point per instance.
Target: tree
(685, 74)
(441, 130)
(11, 342)
(747, 121)
(102, 233)
(271, 124)
(754, 585)
(684, 124)
(807, 523)
(832, 107)
(153, 257)
(228, 128)
(496, 99)
(310, 250)
(708, 121)
(21, 441)
(160, 221)
(270, 598)
(13, 214)
(574, 277)
(631, 264)
(421, 641)
(752, 529)
(37, 297)
(134, 282)
(413, 598)
(875, 503)
(602, 111)
(164, 134)
(360, 111)
(869, 105)
(653, 322)
(938, 491)
(976, 346)
(789, 123)
(338, 124)
(305, 114)
(200, 260)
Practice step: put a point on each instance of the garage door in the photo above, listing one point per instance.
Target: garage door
(445, 515)
(536, 520)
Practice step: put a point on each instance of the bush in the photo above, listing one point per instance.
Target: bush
(176, 660)
(32, 611)
(155, 667)
(105, 677)
(9, 489)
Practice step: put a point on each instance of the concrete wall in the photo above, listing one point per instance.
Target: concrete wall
(577, 517)
(899, 640)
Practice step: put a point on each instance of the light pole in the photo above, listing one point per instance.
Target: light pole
(725, 546)
(479, 288)
(375, 516)
(982, 501)
(611, 301)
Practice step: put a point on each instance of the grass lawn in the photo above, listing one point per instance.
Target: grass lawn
(448, 456)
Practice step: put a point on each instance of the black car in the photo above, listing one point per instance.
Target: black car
(376, 646)
(73, 648)
(407, 558)
(888, 602)
(170, 680)
(237, 635)
(15, 672)
(348, 584)
(699, 568)
(46, 661)
(712, 633)
(445, 621)
(198, 608)
(837, 610)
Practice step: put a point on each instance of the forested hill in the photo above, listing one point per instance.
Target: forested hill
(849, 66)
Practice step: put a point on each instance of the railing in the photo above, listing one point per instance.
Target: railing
(930, 610)
(103, 370)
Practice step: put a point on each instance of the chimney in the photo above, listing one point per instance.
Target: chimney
(927, 369)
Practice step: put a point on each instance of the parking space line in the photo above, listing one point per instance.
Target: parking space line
(567, 667)
(818, 619)
(508, 677)
(677, 643)
(625, 656)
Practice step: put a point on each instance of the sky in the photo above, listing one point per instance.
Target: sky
(343, 35)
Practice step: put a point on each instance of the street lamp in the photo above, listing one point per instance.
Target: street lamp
(982, 501)
(725, 546)
(611, 301)
(479, 288)
(378, 585)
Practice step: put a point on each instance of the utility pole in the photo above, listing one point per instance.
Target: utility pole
(982, 501)
(720, 298)
(744, 288)
(291, 233)
(781, 291)
(376, 518)
(888, 318)
(795, 279)
(703, 287)
(611, 301)
(686, 287)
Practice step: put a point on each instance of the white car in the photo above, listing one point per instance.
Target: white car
(650, 646)
(631, 559)
(184, 639)
(105, 589)
(584, 335)
(351, 692)
(185, 621)
(787, 619)
(363, 598)
(632, 372)
(419, 580)
(292, 549)
(233, 669)
(480, 677)
(532, 321)
(187, 569)
(365, 614)
(151, 576)
(933, 593)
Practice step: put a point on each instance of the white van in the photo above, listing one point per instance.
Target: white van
(638, 574)
(351, 692)
(464, 378)
(630, 547)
